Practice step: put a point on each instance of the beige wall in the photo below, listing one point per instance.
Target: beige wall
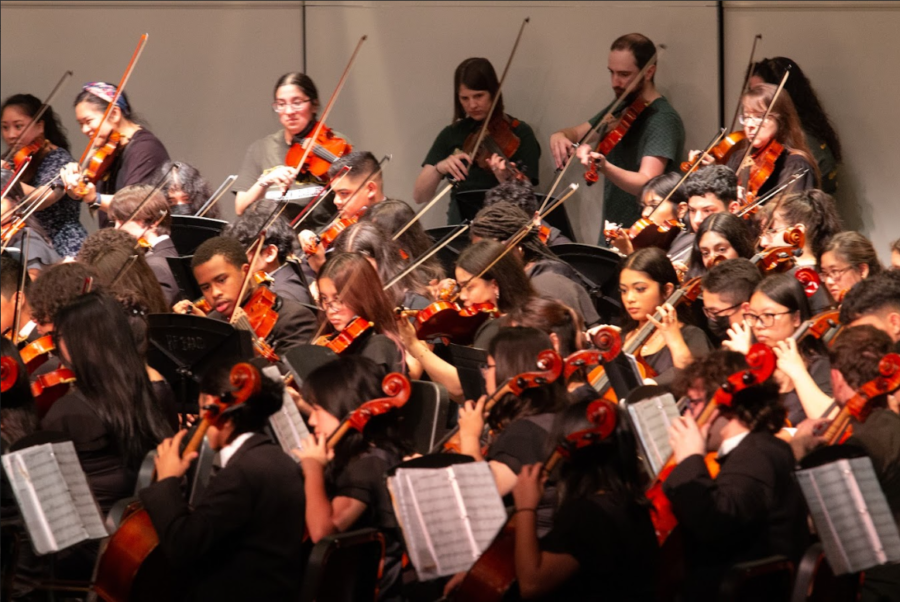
(204, 81)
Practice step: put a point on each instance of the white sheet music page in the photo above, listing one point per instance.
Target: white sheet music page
(652, 419)
(76, 481)
(851, 514)
(287, 423)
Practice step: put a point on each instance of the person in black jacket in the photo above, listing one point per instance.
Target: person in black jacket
(753, 508)
(220, 265)
(243, 539)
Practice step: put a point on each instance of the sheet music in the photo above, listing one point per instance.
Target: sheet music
(851, 514)
(652, 419)
(287, 423)
(52, 491)
(449, 515)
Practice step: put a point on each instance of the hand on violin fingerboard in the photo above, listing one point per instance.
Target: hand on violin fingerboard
(587, 156)
(456, 166)
(187, 308)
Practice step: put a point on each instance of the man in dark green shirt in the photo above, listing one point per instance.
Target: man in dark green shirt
(651, 146)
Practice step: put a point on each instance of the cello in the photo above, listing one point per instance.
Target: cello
(860, 405)
(396, 387)
(494, 573)
(131, 567)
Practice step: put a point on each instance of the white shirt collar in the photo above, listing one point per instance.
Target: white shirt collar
(25, 332)
(229, 450)
(159, 239)
(732, 442)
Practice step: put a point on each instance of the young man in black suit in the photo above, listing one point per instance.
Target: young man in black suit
(754, 507)
(220, 265)
(243, 539)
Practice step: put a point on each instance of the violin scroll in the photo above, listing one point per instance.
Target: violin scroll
(761, 360)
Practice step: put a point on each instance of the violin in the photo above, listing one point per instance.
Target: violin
(781, 257)
(258, 315)
(722, 151)
(499, 139)
(330, 234)
(646, 233)
(35, 151)
(860, 405)
(615, 136)
(550, 367)
(443, 319)
(101, 159)
(763, 167)
(327, 148)
(49, 387)
(396, 387)
(131, 561)
(340, 342)
(687, 293)
(761, 361)
(37, 352)
(494, 573)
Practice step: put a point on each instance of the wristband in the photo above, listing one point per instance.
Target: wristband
(525, 510)
(438, 170)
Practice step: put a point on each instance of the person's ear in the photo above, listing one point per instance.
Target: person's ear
(668, 290)
(270, 254)
(681, 210)
(554, 338)
(841, 390)
(864, 270)
(893, 320)
(734, 207)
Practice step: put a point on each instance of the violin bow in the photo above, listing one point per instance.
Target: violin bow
(602, 122)
(424, 210)
(150, 194)
(119, 89)
(746, 86)
(497, 94)
(37, 116)
(750, 142)
(692, 169)
(327, 111)
(12, 182)
(219, 193)
(17, 315)
(783, 190)
(572, 188)
(320, 196)
(461, 228)
(510, 244)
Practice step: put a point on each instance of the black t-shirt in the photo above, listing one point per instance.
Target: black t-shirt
(383, 351)
(614, 544)
(820, 370)
(661, 361)
(485, 333)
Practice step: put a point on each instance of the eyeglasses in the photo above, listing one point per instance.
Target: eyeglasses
(774, 231)
(335, 304)
(281, 107)
(764, 320)
(712, 314)
(834, 274)
(485, 367)
(754, 119)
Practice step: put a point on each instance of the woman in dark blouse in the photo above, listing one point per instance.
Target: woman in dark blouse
(349, 491)
(646, 281)
(110, 414)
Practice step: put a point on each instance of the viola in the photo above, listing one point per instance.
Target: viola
(860, 405)
(598, 378)
(101, 159)
(37, 352)
(131, 561)
(646, 233)
(258, 315)
(722, 151)
(550, 367)
(397, 389)
(781, 256)
(761, 361)
(494, 573)
(615, 136)
(327, 148)
(448, 320)
(49, 387)
(352, 333)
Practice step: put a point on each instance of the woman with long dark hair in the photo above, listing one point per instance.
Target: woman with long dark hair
(349, 288)
(474, 86)
(721, 236)
(139, 153)
(602, 539)
(111, 413)
(847, 259)
(348, 491)
(59, 214)
(647, 279)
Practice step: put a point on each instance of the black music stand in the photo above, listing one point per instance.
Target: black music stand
(468, 362)
(189, 232)
(599, 270)
(184, 276)
(181, 347)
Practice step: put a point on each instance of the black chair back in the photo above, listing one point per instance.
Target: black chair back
(817, 583)
(765, 579)
(344, 568)
(424, 418)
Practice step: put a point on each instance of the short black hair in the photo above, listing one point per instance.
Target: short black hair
(248, 226)
(227, 246)
(872, 295)
(253, 414)
(736, 279)
(717, 179)
(362, 164)
(10, 272)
